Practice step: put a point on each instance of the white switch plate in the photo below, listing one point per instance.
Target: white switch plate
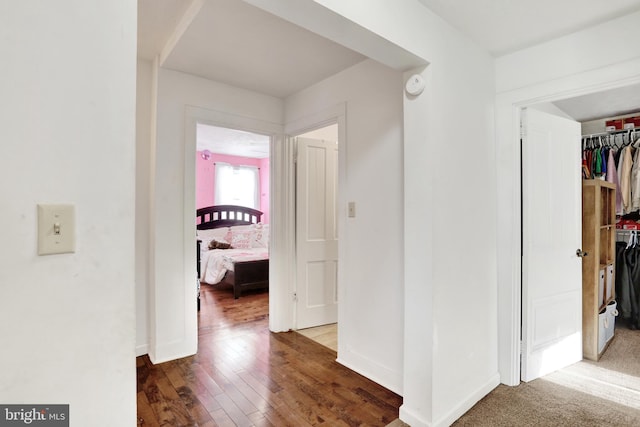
(56, 229)
(352, 209)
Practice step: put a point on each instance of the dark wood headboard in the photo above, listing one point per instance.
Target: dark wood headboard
(226, 216)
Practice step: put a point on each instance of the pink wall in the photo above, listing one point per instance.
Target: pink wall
(205, 176)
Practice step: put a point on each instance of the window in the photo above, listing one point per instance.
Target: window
(236, 185)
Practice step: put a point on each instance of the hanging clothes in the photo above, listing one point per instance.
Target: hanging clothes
(624, 178)
(635, 182)
(612, 177)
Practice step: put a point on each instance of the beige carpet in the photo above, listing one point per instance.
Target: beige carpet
(603, 393)
(586, 394)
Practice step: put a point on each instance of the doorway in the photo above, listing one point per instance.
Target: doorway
(232, 180)
(566, 322)
(317, 241)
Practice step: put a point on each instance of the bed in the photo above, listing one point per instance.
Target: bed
(245, 265)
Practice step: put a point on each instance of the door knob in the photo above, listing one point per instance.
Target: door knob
(581, 254)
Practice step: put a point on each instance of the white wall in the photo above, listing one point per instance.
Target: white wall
(600, 45)
(450, 322)
(67, 117)
(172, 311)
(370, 320)
(143, 171)
(581, 63)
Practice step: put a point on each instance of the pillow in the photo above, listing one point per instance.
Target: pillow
(219, 234)
(261, 237)
(243, 238)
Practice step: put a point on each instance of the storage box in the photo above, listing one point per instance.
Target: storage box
(603, 326)
(612, 312)
(616, 124)
(610, 284)
(627, 224)
(635, 121)
(601, 277)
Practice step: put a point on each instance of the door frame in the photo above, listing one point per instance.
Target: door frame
(509, 106)
(193, 116)
(324, 118)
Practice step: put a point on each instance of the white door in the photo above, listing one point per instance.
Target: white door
(316, 233)
(552, 232)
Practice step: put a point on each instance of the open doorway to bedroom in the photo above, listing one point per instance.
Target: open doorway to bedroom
(232, 225)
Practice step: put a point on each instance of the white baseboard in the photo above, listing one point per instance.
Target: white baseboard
(414, 420)
(462, 407)
(142, 349)
(408, 417)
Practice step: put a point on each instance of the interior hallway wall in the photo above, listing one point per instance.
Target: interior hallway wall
(68, 84)
(369, 343)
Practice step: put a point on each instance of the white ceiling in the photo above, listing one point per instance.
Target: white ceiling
(231, 142)
(235, 43)
(614, 102)
(503, 26)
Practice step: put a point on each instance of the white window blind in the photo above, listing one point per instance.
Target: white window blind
(236, 185)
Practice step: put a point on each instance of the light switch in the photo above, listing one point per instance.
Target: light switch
(56, 229)
(352, 210)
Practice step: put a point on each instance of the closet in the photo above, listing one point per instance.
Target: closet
(610, 220)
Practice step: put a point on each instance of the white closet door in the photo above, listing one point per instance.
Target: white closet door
(316, 233)
(552, 232)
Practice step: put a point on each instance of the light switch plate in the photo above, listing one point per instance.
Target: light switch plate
(56, 229)
(352, 209)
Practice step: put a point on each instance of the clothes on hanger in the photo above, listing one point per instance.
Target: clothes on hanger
(615, 158)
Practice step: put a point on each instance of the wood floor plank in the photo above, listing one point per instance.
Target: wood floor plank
(243, 375)
(146, 415)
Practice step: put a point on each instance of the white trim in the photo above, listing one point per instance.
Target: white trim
(380, 374)
(282, 235)
(508, 106)
(462, 407)
(411, 418)
(142, 349)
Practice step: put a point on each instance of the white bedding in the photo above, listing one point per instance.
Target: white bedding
(215, 263)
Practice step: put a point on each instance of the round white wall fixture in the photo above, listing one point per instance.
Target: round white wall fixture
(415, 85)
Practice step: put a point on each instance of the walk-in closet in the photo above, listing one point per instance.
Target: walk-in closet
(610, 224)
(581, 239)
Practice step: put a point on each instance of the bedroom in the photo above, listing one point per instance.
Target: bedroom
(232, 169)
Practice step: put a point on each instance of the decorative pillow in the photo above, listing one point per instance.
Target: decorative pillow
(215, 244)
(242, 239)
(219, 234)
(261, 237)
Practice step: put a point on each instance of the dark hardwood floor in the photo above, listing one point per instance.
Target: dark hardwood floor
(243, 375)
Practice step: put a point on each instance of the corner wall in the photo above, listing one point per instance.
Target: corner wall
(68, 84)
